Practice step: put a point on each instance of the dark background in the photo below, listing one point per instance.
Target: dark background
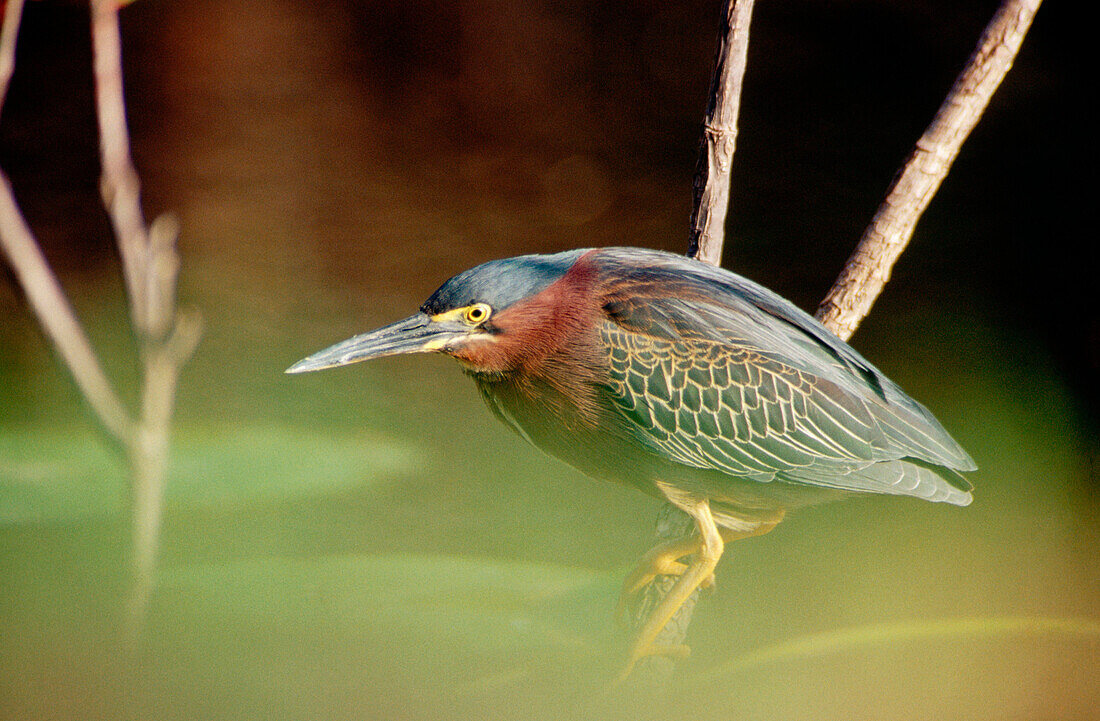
(835, 96)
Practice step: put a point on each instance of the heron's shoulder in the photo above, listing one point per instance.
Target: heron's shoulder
(706, 298)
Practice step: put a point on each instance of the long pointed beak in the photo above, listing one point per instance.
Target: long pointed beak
(416, 334)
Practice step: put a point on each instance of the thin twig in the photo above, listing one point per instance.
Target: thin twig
(52, 308)
(868, 269)
(43, 291)
(150, 266)
(119, 185)
(712, 172)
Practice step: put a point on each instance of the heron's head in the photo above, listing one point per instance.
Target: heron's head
(486, 317)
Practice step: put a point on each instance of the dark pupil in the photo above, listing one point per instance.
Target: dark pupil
(476, 313)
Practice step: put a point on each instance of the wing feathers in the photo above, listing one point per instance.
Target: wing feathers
(717, 372)
(752, 416)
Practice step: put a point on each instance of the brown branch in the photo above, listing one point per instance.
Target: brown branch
(712, 172)
(42, 289)
(150, 265)
(868, 269)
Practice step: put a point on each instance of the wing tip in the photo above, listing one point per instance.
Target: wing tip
(956, 498)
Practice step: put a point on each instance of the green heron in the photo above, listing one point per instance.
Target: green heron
(683, 380)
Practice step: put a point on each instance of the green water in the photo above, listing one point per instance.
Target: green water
(368, 543)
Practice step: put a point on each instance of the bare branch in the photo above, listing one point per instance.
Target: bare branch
(42, 289)
(119, 186)
(150, 265)
(13, 16)
(712, 172)
(708, 220)
(868, 269)
(49, 303)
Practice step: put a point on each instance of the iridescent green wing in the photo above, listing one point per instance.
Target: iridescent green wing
(726, 406)
(674, 300)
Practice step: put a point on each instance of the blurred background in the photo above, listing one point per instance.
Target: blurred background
(368, 542)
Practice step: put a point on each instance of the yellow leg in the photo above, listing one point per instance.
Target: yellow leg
(664, 559)
(706, 558)
(661, 560)
(707, 545)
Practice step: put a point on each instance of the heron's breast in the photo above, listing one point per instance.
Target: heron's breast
(585, 434)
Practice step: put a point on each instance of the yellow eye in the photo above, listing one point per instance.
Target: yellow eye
(477, 313)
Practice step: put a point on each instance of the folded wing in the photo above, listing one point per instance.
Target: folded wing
(714, 371)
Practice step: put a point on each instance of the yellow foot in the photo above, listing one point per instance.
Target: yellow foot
(663, 560)
(705, 548)
(648, 569)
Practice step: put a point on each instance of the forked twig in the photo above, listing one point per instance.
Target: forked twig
(44, 293)
(868, 270)
(150, 264)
